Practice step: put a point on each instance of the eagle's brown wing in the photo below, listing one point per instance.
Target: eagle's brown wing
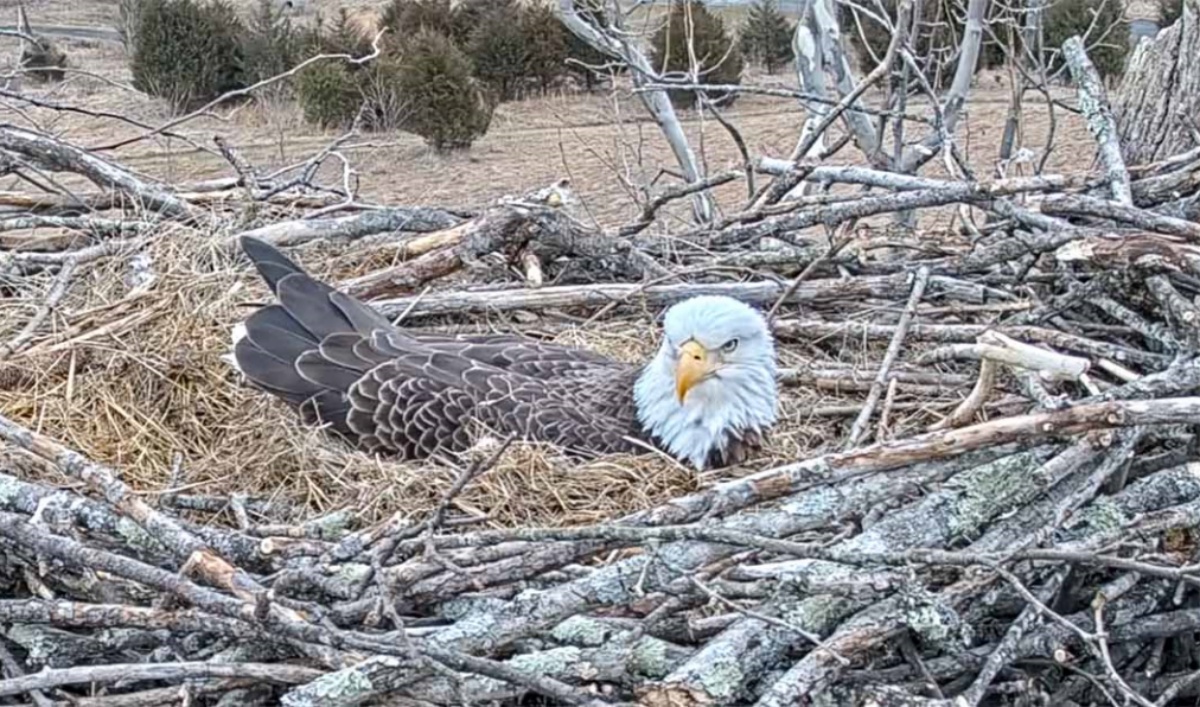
(343, 364)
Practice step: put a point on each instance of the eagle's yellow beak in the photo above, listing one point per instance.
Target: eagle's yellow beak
(694, 365)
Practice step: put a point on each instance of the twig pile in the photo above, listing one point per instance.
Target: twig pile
(1001, 510)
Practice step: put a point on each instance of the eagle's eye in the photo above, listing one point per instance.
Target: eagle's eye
(730, 346)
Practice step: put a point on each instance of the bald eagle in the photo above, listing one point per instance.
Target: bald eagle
(707, 397)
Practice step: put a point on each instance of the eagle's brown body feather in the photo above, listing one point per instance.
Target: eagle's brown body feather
(413, 395)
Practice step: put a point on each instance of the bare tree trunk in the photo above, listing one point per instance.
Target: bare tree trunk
(916, 156)
(1158, 102)
(656, 102)
(817, 45)
(829, 42)
(819, 48)
(810, 74)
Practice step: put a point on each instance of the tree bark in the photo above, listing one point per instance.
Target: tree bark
(1093, 101)
(1159, 94)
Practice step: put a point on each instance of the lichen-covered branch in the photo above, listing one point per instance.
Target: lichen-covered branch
(1093, 101)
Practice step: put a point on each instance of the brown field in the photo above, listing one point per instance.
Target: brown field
(139, 398)
(592, 139)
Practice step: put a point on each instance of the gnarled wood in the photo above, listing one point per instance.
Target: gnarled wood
(1159, 93)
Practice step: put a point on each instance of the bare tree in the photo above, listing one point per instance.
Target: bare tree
(613, 41)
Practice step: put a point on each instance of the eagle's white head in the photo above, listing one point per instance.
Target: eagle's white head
(712, 380)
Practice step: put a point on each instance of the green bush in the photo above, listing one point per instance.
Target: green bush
(380, 90)
(767, 36)
(545, 46)
(469, 15)
(442, 102)
(344, 36)
(187, 51)
(271, 45)
(719, 60)
(403, 18)
(513, 46)
(1108, 43)
(497, 49)
(328, 94)
(333, 93)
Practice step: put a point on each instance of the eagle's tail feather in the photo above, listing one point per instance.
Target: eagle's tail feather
(301, 349)
(270, 262)
(308, 302)
(270, 373)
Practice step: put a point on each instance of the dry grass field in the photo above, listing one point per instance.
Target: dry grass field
(602, 142)
(155, 391)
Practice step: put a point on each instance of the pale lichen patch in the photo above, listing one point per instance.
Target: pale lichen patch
(934, 622)
(10, 488)
(353, 573)
(340, 687)
(991, 489)
(1102, 516)
(650, 658)
(818, 614)
(334, 526)
(553, 662)
(581, 631)
(135, 536)
(723, 680)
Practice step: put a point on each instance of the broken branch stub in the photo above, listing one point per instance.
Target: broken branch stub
(1049, 364)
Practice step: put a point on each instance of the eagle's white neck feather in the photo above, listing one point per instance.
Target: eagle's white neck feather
(741, 397)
